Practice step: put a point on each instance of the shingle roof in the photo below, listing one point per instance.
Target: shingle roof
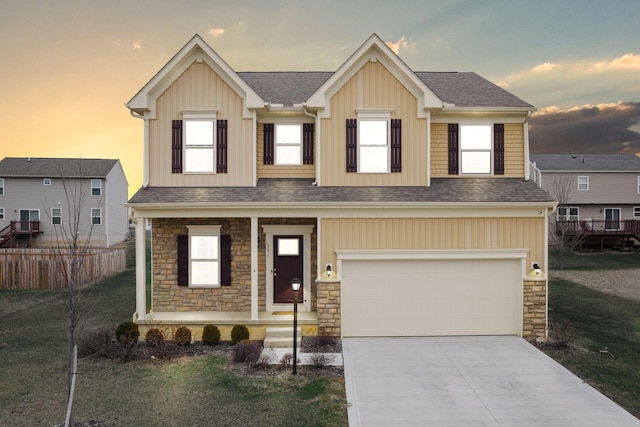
(461, 89)
(587, 162)
(55, 167)
(270, 191)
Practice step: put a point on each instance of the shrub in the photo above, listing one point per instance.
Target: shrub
(98, 342)
(210, 335)
(247, 352)
(321, 360)
(239, 333)
(182, 336)
(127, 333)
(562, 334)
(154, 337)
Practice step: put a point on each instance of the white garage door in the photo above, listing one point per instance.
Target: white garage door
(431, 297)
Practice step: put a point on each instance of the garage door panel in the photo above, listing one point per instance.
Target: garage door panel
(431, 297)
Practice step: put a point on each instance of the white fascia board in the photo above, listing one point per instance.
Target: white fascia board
(195, 50)
(434, 254)
(374, 49)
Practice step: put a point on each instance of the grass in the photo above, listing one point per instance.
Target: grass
(591, 261)
(186, 392)
(602, 321)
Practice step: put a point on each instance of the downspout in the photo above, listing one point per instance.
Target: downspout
(525, 126)
(145, 155)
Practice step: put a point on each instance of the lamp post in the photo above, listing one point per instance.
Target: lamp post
(295, 284)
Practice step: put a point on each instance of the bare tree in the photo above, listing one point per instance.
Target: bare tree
(566, 232)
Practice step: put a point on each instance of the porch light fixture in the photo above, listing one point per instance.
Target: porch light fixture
(536, 268)
(328, 270)
(295, 284)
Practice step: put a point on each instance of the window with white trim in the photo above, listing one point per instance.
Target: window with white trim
(568, 213)
(1, 186)
(373, 141)
(46, 182)
(199, 143)
(475, 149)
(638, 185)
(583, 183)
(288, 141)
(636, 211)
(96, 187)
(96, 216)
(56, 216)
(204, 255)
(1, 213)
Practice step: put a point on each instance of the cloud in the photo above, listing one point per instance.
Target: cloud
(546, 67)
(216, 32)
(625, 62)
(400, 44)
(601, 128)
(136, 46)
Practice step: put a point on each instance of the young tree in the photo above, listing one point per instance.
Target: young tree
(566, 233)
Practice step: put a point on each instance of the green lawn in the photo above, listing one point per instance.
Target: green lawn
(602, 322)
(186, 392)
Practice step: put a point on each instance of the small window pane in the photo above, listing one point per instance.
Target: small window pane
(373, 132)
(288, 247)
(96, 216)
(374, 159)
(476, 162)
(204, 247)
(1, 213)
(475, 137)
(288, 134)
(288, 155)
(199, 132)
(636, 212)
(199, 160)
(204, 273)
(47, 181)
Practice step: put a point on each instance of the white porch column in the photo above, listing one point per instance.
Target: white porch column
(141, 279)
(254, 268)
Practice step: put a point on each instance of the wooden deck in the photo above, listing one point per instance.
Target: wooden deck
(590, 230)
(16, 230)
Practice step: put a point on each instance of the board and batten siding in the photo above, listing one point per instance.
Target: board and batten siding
(513, 150)
(280, 171)
(200, 88)
(432, 233)
(373, 87)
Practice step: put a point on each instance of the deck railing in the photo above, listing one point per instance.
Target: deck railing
(590, 227)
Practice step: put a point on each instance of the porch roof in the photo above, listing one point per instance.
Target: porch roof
(285, 191)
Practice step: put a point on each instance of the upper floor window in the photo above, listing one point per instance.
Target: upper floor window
(288, 144)
(96, 187)
(1, 213)
(373, 146)
(46, 181)
(96, 216)
(476, 149)
(56, 216)
(374, 142)
(1, 186)
(199, 145)
(583, 183)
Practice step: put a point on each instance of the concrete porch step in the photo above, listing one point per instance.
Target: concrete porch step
(279, 337)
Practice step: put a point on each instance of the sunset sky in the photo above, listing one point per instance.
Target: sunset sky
(68, 67)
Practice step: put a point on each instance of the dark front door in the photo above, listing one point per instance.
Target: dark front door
(287, 265)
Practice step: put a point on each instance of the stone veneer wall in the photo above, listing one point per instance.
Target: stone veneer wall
(328, 309)
(168, 296)
(535, 310)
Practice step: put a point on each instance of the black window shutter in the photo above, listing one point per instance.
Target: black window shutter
(183, 260)
(221, 146)
(225, 260)
(267, 156)
(352, 145)
(453, 149)
(176, 146)
(307, 143)
(498, 149)
(396, 145)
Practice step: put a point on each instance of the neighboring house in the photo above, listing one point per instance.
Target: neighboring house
(401, 199)
(35, 209)
(598, 194)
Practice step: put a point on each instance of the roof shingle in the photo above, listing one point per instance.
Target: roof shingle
(55, 167)
(587, 162)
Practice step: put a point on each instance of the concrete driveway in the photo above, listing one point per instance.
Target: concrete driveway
(467, 381)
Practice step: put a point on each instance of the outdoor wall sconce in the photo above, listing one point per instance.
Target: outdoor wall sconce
(536, 268)
(328, 269)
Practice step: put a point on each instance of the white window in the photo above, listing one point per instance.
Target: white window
(373, 146)
(204, 255)
(96, 187)
(199, 143)
(636, 211)
(1, 213)
(56, 216)
(1, 186)
(96, 216)
(288, 144)
(475, 149)
(568, 213)
(638, 185)
(46, 181)
(583, 183)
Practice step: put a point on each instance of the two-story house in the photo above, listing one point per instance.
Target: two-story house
(401, 199)
(40, 197)
(598, 195)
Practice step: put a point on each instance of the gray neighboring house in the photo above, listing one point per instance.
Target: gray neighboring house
(603, 191)
(34, 207)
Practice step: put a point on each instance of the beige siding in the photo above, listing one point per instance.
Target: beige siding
(274, 171)
(373, 87)
(604, 187)
(199, 88)
(432, 233)
(513, 150)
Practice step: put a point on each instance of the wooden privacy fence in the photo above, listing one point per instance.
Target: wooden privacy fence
(33, 269)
